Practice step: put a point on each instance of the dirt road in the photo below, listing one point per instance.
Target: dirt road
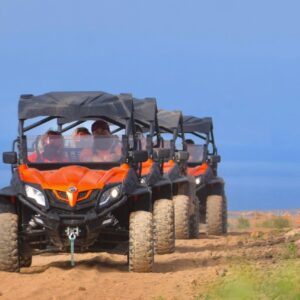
(194, 266)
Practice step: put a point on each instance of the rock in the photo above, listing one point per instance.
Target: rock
(268, 254)
(292, 235)
(256, 234)
(194, 283)
(240, 243)
(257, 244)
(221, 272)
(81, 288)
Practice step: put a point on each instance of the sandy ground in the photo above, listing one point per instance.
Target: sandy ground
(181, 275)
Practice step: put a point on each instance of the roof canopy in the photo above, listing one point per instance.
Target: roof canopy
(145, 110)
(169, 119)
(75, 105)
(194, 124)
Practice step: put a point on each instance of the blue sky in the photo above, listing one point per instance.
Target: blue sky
(237, 61)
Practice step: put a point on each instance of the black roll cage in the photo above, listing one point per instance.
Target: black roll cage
(208, 138)
(22, 129)
(176, 132)
(64, 125)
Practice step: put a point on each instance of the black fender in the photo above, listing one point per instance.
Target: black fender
(131, 183)
(7, 199)
(216, 186)
(162, 189)
(8, 191)
(154, 175)
(181, 186)
(141, 199)
(175, 173)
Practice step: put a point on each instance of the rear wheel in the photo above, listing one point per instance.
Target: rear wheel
(164, 230)
(195, 220)
(181, 209)
(9, 260)
(214, 214)
(141, 250)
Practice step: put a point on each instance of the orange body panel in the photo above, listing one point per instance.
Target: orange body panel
(146, 167)
(83, 179)
(168, 166)
(197, 171)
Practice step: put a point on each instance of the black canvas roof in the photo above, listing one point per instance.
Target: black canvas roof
(194, 124)
(145, 110)
(75, 105)
(169, 119)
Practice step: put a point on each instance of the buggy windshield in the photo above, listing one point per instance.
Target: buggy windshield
(196, 153)
(73, 149)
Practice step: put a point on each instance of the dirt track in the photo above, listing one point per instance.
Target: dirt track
(181, 275)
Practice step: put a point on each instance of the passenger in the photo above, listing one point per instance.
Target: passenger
(81, 131)
(100, 128)
(190, 148)
(106, 147)
(83, 140)
(49, 148)
(79, 137)
(189, 142)
(197, 153)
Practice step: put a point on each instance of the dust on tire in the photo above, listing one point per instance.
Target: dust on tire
(214, 214)
(181, 209)
(164, 227)
(141, 250)
(9, 260)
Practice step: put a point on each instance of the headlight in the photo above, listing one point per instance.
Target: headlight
(110, 194)
(143, 180)
(35, 194)
(198, 180)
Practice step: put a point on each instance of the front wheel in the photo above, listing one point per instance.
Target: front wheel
(164, 230)
(214, 214)
(141, 250)
(182, 221)
(9, 260)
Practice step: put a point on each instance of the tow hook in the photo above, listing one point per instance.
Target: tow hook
(72, 233)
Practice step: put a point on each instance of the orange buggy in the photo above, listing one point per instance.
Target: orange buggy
(73, 205)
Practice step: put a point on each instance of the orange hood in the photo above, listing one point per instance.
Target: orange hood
(168, 166)
(146, 167)
(83, 179)
(197, 171)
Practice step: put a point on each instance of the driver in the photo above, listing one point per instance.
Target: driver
(106, 146)
(49, 148)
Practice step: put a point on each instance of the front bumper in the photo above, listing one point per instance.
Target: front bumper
(90, 221)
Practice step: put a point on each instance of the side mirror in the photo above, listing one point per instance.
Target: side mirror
(215, 159)
(10, 157)
(139, 156)
(182, 156)
(161, 154)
